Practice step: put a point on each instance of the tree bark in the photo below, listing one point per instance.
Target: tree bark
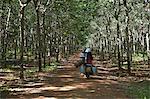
(147, 41)
(22, 8)
(38, 30)
(127, 39)
(22, 39)
(117, 12)
(44, 38)
(3, 34)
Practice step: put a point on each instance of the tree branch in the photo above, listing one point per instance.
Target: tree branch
(23, 4)
(48, 2)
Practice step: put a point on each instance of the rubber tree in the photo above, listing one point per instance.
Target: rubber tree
(116, 15)
(21, 20)
(3, 31)
(44, 30)
(127, 37)
(38, 31)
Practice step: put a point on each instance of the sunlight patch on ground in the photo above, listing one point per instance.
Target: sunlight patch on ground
(33, 84)
(43, 97)
(103, 72)
(8, 77)
(67, 88)
(52, 88)
(38, 90)
(65, 76)
(83, 85)
(68, 80)
(108, 82)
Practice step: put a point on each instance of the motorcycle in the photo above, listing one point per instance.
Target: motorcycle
(88, 70)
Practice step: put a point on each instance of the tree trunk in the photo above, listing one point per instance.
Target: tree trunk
(102, 49)
(118, 46)
(38, 31)
(128, 49)
(21, 19)
(22, 40)
(3, 34)
(44, 38)
(147, 41)
(15, 49)
(127, 38)
(39, 40)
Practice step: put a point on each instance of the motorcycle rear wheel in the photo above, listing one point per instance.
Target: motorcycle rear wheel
(87, 75)
(87, 72)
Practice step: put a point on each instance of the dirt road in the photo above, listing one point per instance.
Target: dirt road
(66, 82)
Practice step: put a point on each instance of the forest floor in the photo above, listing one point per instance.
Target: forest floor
(66, 82)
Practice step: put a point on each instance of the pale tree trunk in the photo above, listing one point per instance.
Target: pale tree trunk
(7, 26)
(64, 46)
(21, 20)
(147, 41)
(131, 45)
(107, 42)
(122, 50)
(114, 40)
(144, 46)
(8, 18)
(128, 51)
(127, 38)
(26, 44)
(117, 12)
(105, 47)
(44, 32)
(22, 39)
(118, 46)
(50, 47)
(15, 48)
(134, 45)
(57, 47)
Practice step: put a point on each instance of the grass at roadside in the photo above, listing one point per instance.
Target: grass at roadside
(140, 90)
(32, 70)
(29, 71)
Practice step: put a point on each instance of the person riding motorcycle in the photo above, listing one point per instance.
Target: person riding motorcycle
(88, 56)
(87, 66)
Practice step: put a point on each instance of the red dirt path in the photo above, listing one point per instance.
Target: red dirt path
(66, 82)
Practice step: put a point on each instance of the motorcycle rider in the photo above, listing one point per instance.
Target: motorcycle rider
(88, 56)
(87, 68)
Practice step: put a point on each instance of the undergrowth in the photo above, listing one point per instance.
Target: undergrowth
(48, 68)
(140, 90)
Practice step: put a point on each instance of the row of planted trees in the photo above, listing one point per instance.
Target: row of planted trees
(121, 29)
(41, 29)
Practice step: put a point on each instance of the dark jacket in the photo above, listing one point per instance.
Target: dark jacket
(89, 58)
